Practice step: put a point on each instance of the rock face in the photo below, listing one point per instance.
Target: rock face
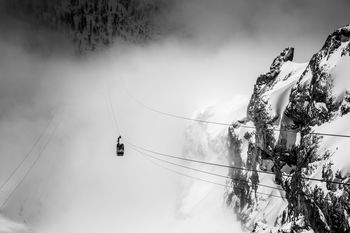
(94, 24)
(304, 171)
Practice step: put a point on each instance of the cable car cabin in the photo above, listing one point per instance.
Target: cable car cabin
(120, 148)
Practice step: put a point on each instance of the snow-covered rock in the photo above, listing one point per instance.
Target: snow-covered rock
(288, 104)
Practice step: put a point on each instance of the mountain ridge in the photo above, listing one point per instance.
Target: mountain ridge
(282, 142)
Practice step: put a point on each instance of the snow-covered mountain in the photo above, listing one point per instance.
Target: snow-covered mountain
(290, 103)
(296, 190)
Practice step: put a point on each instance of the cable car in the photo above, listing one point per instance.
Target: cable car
(120, 147)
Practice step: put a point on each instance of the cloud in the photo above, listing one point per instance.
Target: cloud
(79, 185)
(260, 18)
(7, 225)
(303, 24)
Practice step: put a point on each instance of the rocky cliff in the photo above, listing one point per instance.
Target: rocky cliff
(284, 143)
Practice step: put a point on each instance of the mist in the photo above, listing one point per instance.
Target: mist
(211, 54)
(79, 185)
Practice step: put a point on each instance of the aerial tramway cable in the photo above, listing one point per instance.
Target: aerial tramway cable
(128, 93)
(196, 161)
(36, 142)
(224, 165)
(40, 154)
(225, 124)
(148, 157)
(200, 179)
(143, 150)
(202, 171)
(136, 148)
(204, 180)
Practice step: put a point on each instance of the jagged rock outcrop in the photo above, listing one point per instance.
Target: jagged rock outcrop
(288, 105)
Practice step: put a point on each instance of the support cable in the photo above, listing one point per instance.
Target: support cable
(204, 180)
(202, 171)
(224, 165)
(128, 93)
(32, 166)
(36, 142)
